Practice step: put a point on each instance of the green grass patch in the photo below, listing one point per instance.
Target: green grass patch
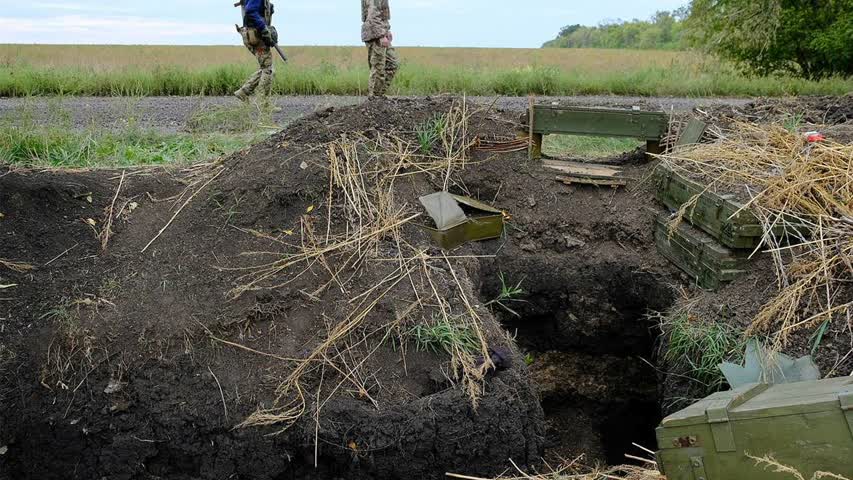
(50, 138)
(327, 79)
(696, 348)
(444, 336)
(587, 147)
(95, 148)
(430, 132)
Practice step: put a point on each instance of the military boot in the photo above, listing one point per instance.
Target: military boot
(241, 95)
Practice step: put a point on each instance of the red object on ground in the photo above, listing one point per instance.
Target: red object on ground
(814, 137)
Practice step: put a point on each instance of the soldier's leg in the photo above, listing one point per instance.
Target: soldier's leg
(251, 84)
(266, 72)
(392, 64)
(376, 59)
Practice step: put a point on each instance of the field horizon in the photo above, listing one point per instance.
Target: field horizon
(138, 70)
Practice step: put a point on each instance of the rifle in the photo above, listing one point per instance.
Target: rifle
(278, 49)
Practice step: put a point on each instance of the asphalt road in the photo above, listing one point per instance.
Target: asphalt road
(171, 113)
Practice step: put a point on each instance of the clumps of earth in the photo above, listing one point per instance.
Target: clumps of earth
(282, 312)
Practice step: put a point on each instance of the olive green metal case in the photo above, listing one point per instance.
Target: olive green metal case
(807, 426)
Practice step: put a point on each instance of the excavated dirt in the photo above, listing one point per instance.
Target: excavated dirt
(128, 365)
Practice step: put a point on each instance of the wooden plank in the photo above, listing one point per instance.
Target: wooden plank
(610, 182)
(692, 133)
(581, 169)
(535, 148)
(532, 153)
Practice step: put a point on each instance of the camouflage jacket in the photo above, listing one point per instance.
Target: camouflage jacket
(375, 18)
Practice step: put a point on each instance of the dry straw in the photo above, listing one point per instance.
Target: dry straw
(363, 231)
(802, 193)
(575, 470)
(19, 267)
(769, 463)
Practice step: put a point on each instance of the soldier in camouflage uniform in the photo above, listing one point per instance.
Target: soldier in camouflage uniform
(259, 37)
(381, 56)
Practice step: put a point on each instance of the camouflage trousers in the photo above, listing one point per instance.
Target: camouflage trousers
(383, 62)
(262, 79)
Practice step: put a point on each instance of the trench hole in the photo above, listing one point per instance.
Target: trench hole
(588, 345)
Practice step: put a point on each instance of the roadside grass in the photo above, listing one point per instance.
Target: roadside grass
(51, 140)
(50, 147)
(155, 71)
(575, 146)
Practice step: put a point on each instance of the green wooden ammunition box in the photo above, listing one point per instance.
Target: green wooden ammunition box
(601, 122)
(807, 426)
(698, 254)
(720, 216)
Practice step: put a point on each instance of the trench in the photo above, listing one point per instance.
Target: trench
(589, 348)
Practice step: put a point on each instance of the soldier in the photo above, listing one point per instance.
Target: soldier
(381, 56)
(259, 36)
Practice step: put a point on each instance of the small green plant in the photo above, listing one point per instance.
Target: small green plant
(817, 336)
(59, 313)
(430, 132)
(793, 122)
(528, 359)
(444, 336)
(699, 347)
(228, 211)
(508, 293)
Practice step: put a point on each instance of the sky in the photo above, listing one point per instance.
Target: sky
(436, 23)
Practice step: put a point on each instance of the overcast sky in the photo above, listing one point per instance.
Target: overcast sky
(441, 23)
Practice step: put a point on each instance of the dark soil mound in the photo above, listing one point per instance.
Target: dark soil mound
(139, 361)
(290, 287)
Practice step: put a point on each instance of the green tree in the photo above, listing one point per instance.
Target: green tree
(809, 38)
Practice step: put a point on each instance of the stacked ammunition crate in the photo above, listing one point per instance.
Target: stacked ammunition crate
(716, 237)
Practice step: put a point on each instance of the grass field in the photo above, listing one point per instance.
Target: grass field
(148, 70)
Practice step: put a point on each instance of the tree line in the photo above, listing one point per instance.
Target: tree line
(811, 38)
(664, 31)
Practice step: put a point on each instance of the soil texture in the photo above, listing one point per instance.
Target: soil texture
(254, 318)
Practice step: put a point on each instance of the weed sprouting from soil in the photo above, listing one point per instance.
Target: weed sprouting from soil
(430, 132)
(508, 293)
(70, 353)
(444, 336)
(701, 346)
